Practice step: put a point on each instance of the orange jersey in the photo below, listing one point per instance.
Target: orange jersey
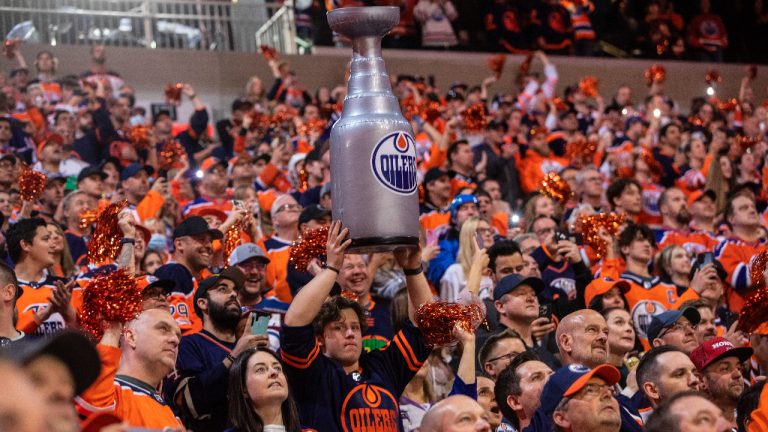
(694, 242)
(435, 220)
(533, 167)
(648, 297)
(459, 182)
(149, 207)
(735, 255)
(34, 297)
(278, 251)
(135, 402)
(649, 214)
(759, 417)
(500, 223)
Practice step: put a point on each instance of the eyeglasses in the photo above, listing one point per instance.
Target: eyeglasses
(678, 326)
(484, 231)
(155, 293)
(508, 356)
(291, 207)
(545, 231)
(254, 265)
(593, 390)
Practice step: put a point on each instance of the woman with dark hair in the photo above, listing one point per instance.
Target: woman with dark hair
(259, 398)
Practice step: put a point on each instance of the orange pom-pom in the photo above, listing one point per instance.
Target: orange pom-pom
(437, 320)
(757, 268)
(231, 241)
(268, 52)
(589, 226)
(754, 313)
(170, 155)
(496, 63)
(588, 86)
(315, 125)
(581, 151)
(31, 183)
(712, 77)
(474, 117)
(10, 46)
(655, 74)
(556, 188)
(747, 143)
(560, 104)
(654, 165)
(173, 93)
(139, 136)
(88, 217)
(728, 105)
(105, 243)
(110, 297)
(312, 245)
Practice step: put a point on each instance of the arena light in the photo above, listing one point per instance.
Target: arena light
(199, 174)
(710, 91)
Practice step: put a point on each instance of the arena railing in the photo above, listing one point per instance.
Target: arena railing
(211, 25)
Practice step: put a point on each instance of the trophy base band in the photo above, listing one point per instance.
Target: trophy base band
(382, 244)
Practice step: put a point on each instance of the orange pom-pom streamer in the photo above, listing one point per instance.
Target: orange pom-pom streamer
(655, 74)
(268, 52)
(588, 86)
(232, 239)
(556, 188)
(712, 77)
(589, 226)
(173, 93)
(757, 269)
(312, 245)
(170, 155)
(474, 117)
(581, 151)
(496, 64)
(112, 297)
(105, 243)
(139, 136)
(10, 46)
(88, 217)
(437, 320)
(754, 313)
(31, 183)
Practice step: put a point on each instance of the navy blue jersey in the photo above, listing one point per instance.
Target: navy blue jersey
(378, 316)
(331, 400)
(202, 380)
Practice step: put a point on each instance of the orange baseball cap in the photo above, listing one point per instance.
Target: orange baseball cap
(699, 194)
(603, 285)
(210, 162)
(208, 211)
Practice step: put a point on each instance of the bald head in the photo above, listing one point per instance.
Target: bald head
(150, 346)
(455, 413)
(582, 337)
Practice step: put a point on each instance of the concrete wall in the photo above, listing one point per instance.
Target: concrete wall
(221, 77)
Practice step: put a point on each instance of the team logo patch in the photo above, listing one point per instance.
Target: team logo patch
(393, 162)
(642, 314)
(369, 408)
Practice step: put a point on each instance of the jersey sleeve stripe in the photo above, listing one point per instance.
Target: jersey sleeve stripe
(405, 348)
(298, 362)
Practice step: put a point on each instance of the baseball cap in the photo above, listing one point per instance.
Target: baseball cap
(698, 262)
(211, 162)
(55, 177)
(209, 211)
(91, 170)
(145, 233)
(10, 157)
(195, 225)
(715, 349)
(699, 194)
(231, 273)
(314, 212)
(569, 380)
(459, 201)
(133, 169)
(53, 138)
(433, 174)
(72, 348)
(508, 283)
(313, 155)
(632, 120)
(603, 285)
(762, 329)
(668, 318)
(149, 281)
(246, 251)
(326, 189)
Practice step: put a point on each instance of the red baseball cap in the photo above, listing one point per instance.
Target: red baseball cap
(699, 194)
(602, 286)
(715, 349)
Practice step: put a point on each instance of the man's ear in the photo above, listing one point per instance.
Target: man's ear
(650, 390)
(561, 420)
(565, 343)
(202, 303)
(514, 403)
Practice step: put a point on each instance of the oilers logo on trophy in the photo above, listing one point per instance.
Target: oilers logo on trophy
(394, 163)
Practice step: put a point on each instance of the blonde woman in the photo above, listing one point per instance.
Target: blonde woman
(455, 278)
(720, 179)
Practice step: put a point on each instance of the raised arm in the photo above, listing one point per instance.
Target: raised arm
(307, 303)
(416, 283)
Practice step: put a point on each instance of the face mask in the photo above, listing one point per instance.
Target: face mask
(158, 242)
(137, 120)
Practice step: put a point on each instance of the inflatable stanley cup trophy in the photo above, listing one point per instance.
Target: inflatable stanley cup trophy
(373, 155)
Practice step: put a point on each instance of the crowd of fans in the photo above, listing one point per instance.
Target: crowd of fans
(641, 337)
(700, 30)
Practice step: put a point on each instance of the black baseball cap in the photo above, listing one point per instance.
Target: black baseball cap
(508, 283)
(195, 225)
(91, 170)
(72, 348)
(313, 212)
(133, 169)
(668, 318)
(433, 174)
(232, 273)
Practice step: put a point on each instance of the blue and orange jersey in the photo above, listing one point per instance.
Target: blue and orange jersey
(735, 255)
(459, 181)
(648, 297)
(222, 204)
(580, 10)
(433, 219)
(134, 401)
(279, 252)
(379, 322)
(694, 242)
(182, 298)
(649, 213)
(34, 297)
(330, 399)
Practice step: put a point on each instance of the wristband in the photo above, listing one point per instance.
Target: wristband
(413, 272)
(332, 268)
(126, 240)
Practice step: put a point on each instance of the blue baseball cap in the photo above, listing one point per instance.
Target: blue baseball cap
(668, 318)
(508, 283)
(133, 169)
(459, 201)
(246, 251)
(569, 380)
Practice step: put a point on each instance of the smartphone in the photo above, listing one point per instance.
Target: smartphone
(730, 318)
(561, 235)
(260, 325)
(545, 311)
(479, 239)
(514, 220)
(707, 258)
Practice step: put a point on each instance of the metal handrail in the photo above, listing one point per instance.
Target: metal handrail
(279, 32)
